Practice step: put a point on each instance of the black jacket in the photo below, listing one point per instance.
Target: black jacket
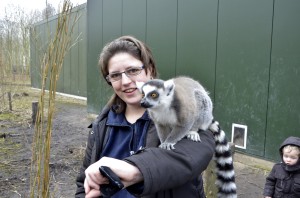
(167, 174)
(284, 181)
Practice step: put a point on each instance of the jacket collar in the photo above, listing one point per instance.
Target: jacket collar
(118, 119)
(103, 114)
(291, 168)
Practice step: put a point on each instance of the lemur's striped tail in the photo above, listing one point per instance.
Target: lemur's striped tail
(224, 163)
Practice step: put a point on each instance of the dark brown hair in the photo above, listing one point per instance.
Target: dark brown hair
(134, 47)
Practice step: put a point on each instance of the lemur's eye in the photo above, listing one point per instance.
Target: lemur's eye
(143, 95)
(154, 95)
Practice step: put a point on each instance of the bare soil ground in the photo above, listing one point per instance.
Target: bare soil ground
(250, 180)
(68, 143)
(69, 136)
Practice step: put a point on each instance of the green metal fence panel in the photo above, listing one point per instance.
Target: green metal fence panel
(112, 20)
(32, 59)
(66, 72)
(35, 68)
(69, 82)
(74, 61)
(246, 53)
(47, 35)
(134, 18)
(284, 94)
(161, 35)
(104, 26)
(94, 46)
(242, 71)
(60, 82)
(196, 41)
(38, 45)
(111, 29)
(82, 55)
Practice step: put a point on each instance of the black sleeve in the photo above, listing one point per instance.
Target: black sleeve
(270, 183)
(93, 149)
(165, 169)
(80, 193)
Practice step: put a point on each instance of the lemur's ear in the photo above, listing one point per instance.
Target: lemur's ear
(139, 85)
(169, 86)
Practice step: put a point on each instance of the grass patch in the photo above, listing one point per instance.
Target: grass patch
(9, 116)
(7, 148)
(262, 167)
(22, 98)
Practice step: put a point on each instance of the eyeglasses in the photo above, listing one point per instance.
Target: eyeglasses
(132, 71)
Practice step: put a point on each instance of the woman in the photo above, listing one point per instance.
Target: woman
(124, 139)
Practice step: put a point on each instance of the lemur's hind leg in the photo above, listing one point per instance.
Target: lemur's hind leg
(194, 136)
(175, 135)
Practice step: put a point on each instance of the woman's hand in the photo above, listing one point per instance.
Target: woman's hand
(129, 174)
(92, 181)
(93, 193)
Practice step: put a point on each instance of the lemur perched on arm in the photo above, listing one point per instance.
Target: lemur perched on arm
(181, 107)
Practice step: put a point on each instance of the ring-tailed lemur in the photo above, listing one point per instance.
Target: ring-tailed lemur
(179, 108)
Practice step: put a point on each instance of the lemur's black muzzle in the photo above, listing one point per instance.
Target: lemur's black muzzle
(145, 104)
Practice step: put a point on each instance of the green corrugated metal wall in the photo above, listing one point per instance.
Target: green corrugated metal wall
(162, 24)
(284, 92)
(72, 79)
(246, 53)
(242, 71)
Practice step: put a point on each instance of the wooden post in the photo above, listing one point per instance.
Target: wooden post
(232, 148)
(210, 177)
(9, 101)
(35, 106)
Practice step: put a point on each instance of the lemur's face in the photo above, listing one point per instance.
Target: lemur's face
(155, 93)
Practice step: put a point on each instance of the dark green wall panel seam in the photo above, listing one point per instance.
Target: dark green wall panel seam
(176, 42)
(269, 81)
(216, 59)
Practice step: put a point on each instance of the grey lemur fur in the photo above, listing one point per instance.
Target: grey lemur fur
(181, 107)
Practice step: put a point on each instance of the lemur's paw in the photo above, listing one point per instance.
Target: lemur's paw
(194, 136)
(167, 146)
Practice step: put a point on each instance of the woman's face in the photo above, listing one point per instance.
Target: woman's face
(126, 88)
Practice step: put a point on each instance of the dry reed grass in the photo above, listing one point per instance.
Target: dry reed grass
(52, 62)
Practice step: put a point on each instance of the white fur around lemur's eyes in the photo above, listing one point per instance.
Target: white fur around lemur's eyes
(154, 95)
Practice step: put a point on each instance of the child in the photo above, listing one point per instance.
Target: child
(284, 179)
